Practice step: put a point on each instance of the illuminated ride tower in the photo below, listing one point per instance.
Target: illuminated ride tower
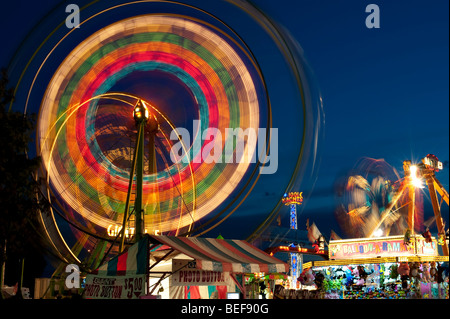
(143, 119)
(293, 199)
(415, 176)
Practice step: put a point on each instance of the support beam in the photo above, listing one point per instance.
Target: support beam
(138, 205)
(159, 281)
(437, 210)
(127, 202)
(411, 208)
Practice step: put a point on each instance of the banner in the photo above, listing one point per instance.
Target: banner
(185, 274)
(118, 287)
(381, 247)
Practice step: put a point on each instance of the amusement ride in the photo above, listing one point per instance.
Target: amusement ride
(128, 109)
(376, 202)
(116, 101)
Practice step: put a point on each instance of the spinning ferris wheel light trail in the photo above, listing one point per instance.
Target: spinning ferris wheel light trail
(222, 101)
(187, 61)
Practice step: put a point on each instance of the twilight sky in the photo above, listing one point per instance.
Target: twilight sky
(385, 91)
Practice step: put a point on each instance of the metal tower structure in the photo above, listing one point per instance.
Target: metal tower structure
(292, 200)
(143, 119)
(415, 176)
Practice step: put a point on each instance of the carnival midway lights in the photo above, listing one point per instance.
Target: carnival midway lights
(135, 106)
(293, 199)
(135, 110)
(390, 256)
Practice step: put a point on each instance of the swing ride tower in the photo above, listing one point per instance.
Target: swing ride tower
(292, 200)
(415, 175)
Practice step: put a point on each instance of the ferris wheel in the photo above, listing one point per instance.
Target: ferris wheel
(200, 80)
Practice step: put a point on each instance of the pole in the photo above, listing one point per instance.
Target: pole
(127, 203)
(138, 207)
(293, 199)
(411, 208)
(294, 256)
(20, 284)
(411, 195)
(140, 115)
(2, 268)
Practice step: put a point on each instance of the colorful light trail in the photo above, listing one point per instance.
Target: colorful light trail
(79, 168)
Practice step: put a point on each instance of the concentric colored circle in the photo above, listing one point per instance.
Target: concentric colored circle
(81, 129)
(200, 64)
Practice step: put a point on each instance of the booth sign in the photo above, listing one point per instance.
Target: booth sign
(381, 247)
(186, 274)
(115, 287)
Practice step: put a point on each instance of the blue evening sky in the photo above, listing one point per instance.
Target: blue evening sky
(385, 91)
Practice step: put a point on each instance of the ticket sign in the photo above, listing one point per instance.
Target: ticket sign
(381, 247)
(117, 287)
(185, 274)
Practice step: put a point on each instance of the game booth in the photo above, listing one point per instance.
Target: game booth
(166, 267)
(379, 268)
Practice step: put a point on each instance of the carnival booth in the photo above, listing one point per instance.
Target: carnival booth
(182, 268)
(380, 268)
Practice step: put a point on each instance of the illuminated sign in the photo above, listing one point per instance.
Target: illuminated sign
(381, 247)
(293, 198)
(114, 230)
(185, 274)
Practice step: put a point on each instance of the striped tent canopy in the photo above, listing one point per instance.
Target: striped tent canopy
(134, 261)
(225, 255)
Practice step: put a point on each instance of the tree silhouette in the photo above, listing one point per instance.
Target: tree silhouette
(20, 203)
